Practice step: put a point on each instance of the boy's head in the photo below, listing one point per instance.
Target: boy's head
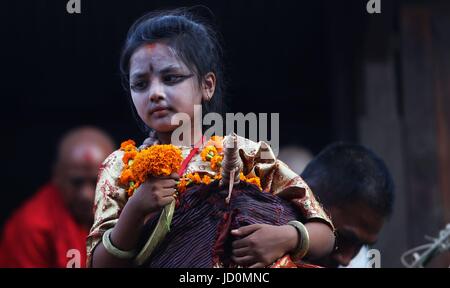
(356, 188)
(170, 62)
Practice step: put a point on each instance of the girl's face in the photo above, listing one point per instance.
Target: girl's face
(162, 85)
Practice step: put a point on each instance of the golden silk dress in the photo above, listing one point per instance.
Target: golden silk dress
(199, 234)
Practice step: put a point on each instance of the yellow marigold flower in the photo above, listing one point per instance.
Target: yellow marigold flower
(126, 177)
(197, 178)
(128, 145)
(128, 156)
(181, 187)
(206, 179)
(217, 142)
(208, 152)
(216, 162)
(256, 181)
(132, 188)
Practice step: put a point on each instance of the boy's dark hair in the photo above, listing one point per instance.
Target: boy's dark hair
(194, 42)
(345, 173)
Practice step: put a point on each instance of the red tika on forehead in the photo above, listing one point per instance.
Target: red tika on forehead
(150, 46)
(88, 156)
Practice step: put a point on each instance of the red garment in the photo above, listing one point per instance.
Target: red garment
(41, 233)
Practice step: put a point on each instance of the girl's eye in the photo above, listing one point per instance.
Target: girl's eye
(173, 79)
(139, 85)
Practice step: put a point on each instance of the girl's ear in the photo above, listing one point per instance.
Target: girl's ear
(208, 86)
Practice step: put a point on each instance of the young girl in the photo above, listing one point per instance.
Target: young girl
(171, 62)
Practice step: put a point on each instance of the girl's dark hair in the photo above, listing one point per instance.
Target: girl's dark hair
(194, 42)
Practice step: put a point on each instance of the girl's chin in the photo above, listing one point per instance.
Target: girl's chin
(163, 127)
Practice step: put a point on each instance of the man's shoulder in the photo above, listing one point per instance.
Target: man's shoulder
(34, 213)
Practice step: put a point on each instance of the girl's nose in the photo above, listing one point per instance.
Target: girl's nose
(156, 92)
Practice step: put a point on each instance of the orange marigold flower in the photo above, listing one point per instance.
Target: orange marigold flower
(256, 181)
(128, 145)
(197, 178)
(208, 152)
(217, 142)
(216, 162)
(126, 177)
(194, 177)
(130, 191)
(157, 160)
(181, 187)
(129, 156)
(206, 179)
(242, 177)
(132, 188)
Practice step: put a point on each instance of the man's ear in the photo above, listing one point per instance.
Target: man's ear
(208, 86)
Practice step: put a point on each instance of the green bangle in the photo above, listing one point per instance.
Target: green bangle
(113, 250)
(303, 241)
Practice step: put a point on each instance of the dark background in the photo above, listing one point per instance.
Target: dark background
(61, 71)
(332, 71)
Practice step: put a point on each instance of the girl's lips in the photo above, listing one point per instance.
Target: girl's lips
(161, 113)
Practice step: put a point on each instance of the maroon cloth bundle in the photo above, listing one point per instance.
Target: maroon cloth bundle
(200, 236)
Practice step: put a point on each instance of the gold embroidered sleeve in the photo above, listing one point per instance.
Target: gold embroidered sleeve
(110, 199)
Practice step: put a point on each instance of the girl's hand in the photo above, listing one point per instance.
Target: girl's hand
(262, 244)
(153, 195)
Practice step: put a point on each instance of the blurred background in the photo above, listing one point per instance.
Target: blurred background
(333, 71)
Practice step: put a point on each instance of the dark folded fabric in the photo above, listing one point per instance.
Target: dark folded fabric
(200, 236)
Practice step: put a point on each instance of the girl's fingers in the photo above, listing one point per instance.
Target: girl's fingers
(175, 176)
(241, 252)
(244, 242)
(246, 230)
(244, 261)
(241, 243)
(167, 200)
(168, 183)
(167, 192)
(257, 265)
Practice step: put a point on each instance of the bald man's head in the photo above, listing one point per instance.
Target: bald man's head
(84, 144)
(80, 154)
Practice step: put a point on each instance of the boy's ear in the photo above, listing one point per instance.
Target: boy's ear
(208, 86)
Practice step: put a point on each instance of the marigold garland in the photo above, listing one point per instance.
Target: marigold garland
(163, 160)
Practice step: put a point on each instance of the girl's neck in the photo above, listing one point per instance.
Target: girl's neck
(165, 137)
